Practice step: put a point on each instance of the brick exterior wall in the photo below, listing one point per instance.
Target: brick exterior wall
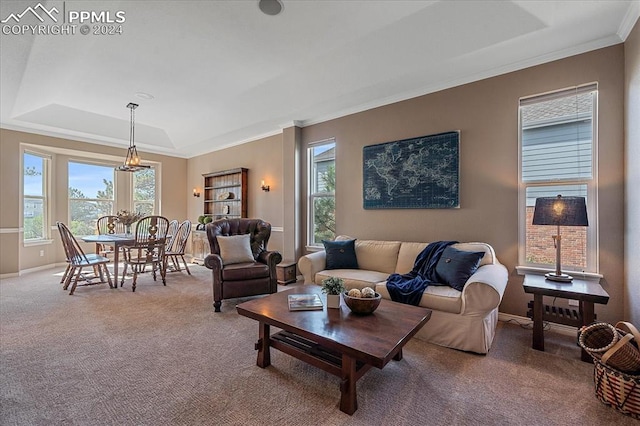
(540, 249)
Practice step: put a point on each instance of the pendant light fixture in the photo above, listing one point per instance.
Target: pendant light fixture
(132, 162)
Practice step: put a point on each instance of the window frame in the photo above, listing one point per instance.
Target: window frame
(46, 198)
(312, 194)
(88, 162)
(156, 200)
(592, 268)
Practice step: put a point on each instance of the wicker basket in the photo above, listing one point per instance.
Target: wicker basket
(613, 346)
(617, 389)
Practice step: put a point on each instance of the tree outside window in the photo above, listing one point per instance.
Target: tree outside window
(34, 196)
(91, 195)
(144, 191)
(322, 183)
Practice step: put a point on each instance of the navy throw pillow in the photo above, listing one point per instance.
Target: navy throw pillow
(456, 266)
(341, 254)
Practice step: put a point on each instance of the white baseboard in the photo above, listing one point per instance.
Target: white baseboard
(36, 269)
(558, 328)
(11, 275)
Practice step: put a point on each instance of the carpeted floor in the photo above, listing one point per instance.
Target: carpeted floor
(161, 356)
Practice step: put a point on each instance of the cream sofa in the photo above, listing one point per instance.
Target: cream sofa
(464, 320)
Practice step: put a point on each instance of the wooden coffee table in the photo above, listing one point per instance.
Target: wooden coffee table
(335, 340)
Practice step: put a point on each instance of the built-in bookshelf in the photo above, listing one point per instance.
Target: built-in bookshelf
(225, 194)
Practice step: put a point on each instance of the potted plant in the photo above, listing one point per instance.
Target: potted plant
(332, 287)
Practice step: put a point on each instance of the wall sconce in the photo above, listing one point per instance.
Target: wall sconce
(264, 187)
(196, 193)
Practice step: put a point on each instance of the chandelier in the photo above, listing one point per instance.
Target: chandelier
(132, 162)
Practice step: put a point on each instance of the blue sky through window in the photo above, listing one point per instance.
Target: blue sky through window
(89, 178)
(33, 184)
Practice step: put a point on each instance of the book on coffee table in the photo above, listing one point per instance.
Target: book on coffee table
(304, 302)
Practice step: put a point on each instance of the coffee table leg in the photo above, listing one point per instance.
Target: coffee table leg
(348, 397)
(538, 332)
(263, 346)
(398, 356)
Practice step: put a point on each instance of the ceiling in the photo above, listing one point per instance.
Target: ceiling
(223, 73)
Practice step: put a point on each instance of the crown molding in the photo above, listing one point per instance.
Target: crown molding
(629, 20)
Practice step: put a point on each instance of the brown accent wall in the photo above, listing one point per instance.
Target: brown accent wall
(263, 158)
(14, 257)
(486, 113)
(632, 162)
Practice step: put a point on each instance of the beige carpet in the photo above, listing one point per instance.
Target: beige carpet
(161, 356)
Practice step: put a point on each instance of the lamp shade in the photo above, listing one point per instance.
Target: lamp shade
(561, 211)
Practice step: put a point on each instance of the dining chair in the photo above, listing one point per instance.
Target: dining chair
(108, 225)
(171, 234)
(77, 260)
(147, 249)
(179, 244)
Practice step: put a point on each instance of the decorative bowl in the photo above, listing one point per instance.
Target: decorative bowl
(362, 305)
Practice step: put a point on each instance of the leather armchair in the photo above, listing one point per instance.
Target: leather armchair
(242, 279)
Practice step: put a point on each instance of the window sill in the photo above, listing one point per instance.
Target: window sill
(589, 276)
(33, 243)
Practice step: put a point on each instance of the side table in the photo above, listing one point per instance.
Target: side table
(585, 292)
(286, 272)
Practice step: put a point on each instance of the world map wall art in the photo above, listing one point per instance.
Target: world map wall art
(417, 173)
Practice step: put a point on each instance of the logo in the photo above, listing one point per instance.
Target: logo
(34, 11)
(52, 22)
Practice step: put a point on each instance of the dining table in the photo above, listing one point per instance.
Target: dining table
(114, 240)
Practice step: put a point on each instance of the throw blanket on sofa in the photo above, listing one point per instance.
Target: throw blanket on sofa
(408, 288)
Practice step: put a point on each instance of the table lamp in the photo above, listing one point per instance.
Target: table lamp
(560, 211)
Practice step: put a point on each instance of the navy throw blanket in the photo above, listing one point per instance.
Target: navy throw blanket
(408, 288)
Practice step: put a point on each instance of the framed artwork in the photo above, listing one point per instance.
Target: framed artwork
(416, 173)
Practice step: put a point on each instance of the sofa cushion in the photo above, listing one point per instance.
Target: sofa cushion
(456, 266)
(235, 248)
(340, 254)
(407, 256)
(380, 256)
(353, 278)
(438, 298)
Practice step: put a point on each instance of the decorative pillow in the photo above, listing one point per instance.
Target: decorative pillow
(341, 254)
(456, 266)
(235, 249)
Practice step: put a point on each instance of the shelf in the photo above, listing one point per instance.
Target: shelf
(218, 184)
(221, 187)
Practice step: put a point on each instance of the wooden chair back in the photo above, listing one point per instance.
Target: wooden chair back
(181, 237)
(171, 234)
(109, 225)
(75, 254)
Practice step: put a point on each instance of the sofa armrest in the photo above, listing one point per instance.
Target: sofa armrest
(484, 290)
(311, 264)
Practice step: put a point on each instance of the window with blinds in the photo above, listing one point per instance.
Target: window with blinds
(558, 140)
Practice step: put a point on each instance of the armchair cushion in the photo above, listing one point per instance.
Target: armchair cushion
(456, 266)
(235, 249)
(245, 271)
(341, 254)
